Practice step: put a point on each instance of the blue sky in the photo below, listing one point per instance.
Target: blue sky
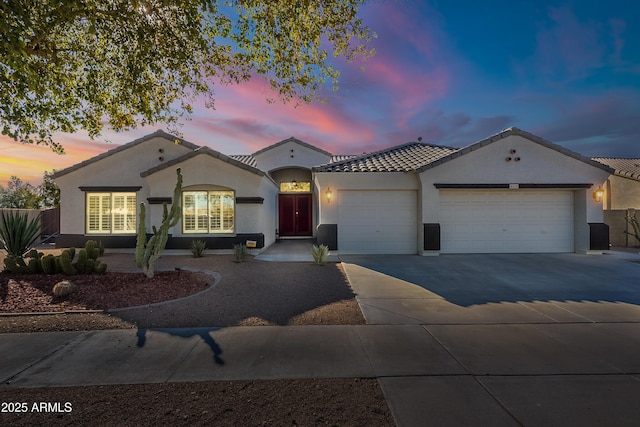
(452, 72)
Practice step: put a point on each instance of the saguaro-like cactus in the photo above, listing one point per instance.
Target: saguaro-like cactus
(147, 252)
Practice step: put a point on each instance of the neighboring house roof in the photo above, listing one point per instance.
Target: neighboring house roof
(158, 133)
(625, 167)
(508, 132)
(297, 141)
(198, 152)
(247, 159)
(340, 157)
(401, 158)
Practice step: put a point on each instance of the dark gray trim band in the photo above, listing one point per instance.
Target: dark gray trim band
(114, 189)
(159, 200)
(247, 200)
(506, 186)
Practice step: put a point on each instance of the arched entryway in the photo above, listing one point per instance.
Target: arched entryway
(295, 202)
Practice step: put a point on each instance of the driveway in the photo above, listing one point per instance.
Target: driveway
(497, 288)
(542, 340)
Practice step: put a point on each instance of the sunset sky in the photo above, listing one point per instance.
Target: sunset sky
(452, 72)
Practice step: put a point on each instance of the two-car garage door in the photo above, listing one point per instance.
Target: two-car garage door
(471, 221)
(506, 221)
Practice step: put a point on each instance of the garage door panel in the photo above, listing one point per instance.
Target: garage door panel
(506, 221)
(383, 222)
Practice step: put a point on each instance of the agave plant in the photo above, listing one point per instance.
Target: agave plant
(18, 233)
(197, 248)
(320, 254)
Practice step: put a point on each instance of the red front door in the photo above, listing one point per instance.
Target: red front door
(294, 213)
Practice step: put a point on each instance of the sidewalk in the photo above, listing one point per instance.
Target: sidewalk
(498, 371)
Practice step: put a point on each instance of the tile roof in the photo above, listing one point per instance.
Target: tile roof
(401, 158)
(202, 151)
(625, 167)
(248, 159)
(340, 157)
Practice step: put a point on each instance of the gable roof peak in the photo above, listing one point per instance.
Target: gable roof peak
(294, 140)
(518, 132)
(158, 133)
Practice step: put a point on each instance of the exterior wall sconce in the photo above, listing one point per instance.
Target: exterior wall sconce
(329, 194)
(598, 195)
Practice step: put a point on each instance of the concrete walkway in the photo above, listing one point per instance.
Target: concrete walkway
(441, 364)
(292, 250)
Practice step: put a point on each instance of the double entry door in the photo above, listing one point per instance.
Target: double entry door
(294, 213)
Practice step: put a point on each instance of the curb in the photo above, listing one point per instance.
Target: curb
(216, 279)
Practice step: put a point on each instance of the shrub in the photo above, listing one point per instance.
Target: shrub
(633, 222)
(320, 254)
(197, 248)
(17, 233)
(240, 252)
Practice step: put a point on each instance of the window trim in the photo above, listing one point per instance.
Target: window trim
(102, 213)
(208, 195)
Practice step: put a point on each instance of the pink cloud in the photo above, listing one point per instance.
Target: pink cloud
(243, 115)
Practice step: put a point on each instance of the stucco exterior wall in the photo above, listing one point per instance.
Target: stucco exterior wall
(204, 171)
(283, 156)
(328, 211)
(120, 169)
(488, 165)
(621, 193)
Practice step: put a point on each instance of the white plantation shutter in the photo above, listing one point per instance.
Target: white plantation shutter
(208, 211)
(111, 213)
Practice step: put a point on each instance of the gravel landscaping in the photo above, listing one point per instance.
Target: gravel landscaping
(249, 293)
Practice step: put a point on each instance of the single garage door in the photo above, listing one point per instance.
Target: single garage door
(377, 222)
(506, 221)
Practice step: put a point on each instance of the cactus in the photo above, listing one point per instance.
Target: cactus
(56, 264)
(65, 263)
(147, 252)
(63, 288)
(82, 260)
(72, 253)
(99, 267)
(34, 266)
(90, 246)
(15, 265)
(47, 263)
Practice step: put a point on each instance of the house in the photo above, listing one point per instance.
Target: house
(621, 197)
(512, 192)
